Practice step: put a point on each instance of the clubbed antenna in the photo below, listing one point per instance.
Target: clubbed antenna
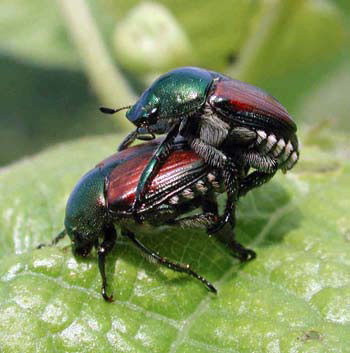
(112, 111)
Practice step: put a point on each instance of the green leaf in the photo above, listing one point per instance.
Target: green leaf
(294, 297)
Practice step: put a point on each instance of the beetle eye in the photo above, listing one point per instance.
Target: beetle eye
(152, 116)
(83, 251)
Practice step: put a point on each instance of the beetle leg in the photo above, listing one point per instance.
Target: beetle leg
(128, 140)
(253, 180)
(158, 157)
(239, 251)
(209, 219)
(242, 253)
(217, 159)
(132, 136)
(210, 154)
(228, 238)
(204, 220)
(231, 182)
(242, 135)
(110, 236)
(167, 263)
(213, 130)
(263, 163)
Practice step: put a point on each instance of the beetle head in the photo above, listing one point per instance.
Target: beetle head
(145, 113)
(173, 96)
(81, 243)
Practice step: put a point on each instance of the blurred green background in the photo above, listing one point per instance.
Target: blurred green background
(61, 60)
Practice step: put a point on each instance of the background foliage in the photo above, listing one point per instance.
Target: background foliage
(295, 49)
(58, 63)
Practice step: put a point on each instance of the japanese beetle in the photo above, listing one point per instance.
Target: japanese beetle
(230, 124)
(103, 199)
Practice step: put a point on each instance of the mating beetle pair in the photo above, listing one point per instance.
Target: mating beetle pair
(230, 124)
(235, 138)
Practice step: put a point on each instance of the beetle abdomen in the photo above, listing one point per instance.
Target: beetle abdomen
(197, 188)
(283, 151)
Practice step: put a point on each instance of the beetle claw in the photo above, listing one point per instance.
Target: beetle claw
(242, 253)
(218, 226)
(226, 218)
(108, 298)
(247, 255)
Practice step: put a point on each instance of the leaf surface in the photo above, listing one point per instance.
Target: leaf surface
(294, 297)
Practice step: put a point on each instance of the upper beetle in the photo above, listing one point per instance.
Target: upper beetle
(230, 124)
(103, 199)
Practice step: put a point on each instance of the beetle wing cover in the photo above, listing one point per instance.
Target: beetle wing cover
(181, 168)
(244, 100)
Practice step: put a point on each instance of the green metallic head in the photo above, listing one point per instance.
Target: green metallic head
(170, 98)
(86, 212)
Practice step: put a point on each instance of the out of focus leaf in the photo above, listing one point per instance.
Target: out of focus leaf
(329, 101)
(299, 44)
(41, 106)
(44, 101)
(33, 30)
(149, 40)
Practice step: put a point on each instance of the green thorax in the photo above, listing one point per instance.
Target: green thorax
(85, 210)
(175, 94)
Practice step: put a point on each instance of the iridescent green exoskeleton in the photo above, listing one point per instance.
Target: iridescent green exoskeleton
(232, 125)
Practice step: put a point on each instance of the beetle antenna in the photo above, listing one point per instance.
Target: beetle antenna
(112, 111)
(58, 237)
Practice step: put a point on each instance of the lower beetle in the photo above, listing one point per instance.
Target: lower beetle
(230, 124)
(103, 199)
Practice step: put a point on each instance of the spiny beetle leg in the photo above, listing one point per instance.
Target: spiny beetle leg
(208, 218)
(158, 157)
(265, 163)
(204, 220)
(253, 180)
(167, 263)
(128, 140)
(217, 159)
(210, 154)
(103, 250)
(239, 251)
(231, 181)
